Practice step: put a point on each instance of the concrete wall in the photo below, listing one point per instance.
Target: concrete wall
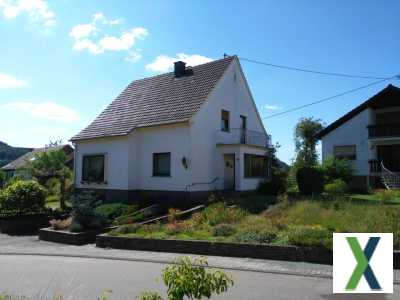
(353, 132)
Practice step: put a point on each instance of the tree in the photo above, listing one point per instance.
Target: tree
(51, 164)
(305, 142)
(2, 178)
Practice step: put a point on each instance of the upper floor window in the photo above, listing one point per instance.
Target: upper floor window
(346, 152)
(93, 168)
(162, 164)
(224, 120)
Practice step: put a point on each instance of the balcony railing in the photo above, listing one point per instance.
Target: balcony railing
(375, 166)
(241, 136)
(384, 130)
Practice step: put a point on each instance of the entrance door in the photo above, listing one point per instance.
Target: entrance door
(229, 171)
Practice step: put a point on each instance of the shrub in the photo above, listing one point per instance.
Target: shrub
(190, 280)
(262, 237)
(23, 196)
(276, 185)
(335, 168)
(253, 203)
(310, 236)
(337, 187)
(256, 229)
(220, 213)
(126, 229)
(387, 196)
(129, 219)
(310, 180)
(84, 213)
(61, 224)
(111, 211)
(149, 295)
(223, 230)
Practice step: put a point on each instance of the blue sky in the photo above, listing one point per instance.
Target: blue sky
(62, 61)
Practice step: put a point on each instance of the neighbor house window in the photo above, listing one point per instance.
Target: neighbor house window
(93, 168)
(224, 120)
(162, 164)
(347, 152)
(255, 165)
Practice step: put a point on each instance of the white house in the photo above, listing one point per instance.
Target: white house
(368, 136)
(187, 132)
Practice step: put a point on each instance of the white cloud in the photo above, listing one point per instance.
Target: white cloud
(44, 110)
(92, 37)
(37, 10)
(164, 63)
(271, 107)
(10, 82)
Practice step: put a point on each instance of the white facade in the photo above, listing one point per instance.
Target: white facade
(200, 142)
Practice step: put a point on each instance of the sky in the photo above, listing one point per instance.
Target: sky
(62, 62)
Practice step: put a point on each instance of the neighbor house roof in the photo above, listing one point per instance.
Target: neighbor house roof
(389, 96)
(22, 160)
(158, 100)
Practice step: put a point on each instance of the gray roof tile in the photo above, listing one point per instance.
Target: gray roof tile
(157, 100)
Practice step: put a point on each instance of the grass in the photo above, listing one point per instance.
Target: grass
(377, 197)
(302, 223)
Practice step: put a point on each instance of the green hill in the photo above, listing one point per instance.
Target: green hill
(8, 153)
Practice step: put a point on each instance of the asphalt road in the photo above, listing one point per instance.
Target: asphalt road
(45, 277)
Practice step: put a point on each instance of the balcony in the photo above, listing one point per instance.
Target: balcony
(241, 136)
(375, 166)
(384, 130)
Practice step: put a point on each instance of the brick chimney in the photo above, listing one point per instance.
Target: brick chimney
(179, 68)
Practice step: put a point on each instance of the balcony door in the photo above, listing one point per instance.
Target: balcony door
(390, 156)
(243, 128)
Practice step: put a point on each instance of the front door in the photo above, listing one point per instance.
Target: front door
(229, 171)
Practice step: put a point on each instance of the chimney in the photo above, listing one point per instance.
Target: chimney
(179, 68)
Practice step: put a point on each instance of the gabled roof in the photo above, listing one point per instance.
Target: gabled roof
(162, 99)
(22, 160)
(389, 96)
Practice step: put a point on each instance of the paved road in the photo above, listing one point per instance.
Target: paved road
(43, 277)
(42, 270)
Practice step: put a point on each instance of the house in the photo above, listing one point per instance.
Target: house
(368, 136)
(179, 134)
(16, 167)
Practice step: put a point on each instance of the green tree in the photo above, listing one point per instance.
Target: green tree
(51, 164)
(305, 142)
(2, 178)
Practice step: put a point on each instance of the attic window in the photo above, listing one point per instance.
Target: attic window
(224, 120)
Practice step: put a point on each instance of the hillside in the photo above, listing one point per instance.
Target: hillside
(8, 153)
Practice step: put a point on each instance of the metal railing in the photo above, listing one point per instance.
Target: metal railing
(374, 166)
(242, 136)
(384, 130)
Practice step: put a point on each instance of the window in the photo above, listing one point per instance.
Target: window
(93, 168)
(255, 165)
(162, 164)
(224, 120)
(347, 152)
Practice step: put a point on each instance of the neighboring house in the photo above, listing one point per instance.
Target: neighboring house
(190, 131)
(16, 167)
(367, 136)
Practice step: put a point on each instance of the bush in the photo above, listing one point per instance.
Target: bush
(84, 215)
(337, 187)
(125, 229)
(387, 196)
(335, 168)
(276, 185)
(111, 211)
(310, 180)
(256, 229)
(23, 196)
(223, 230)
(253, 203)
(315, 236)
(220, 213)
(190, 280)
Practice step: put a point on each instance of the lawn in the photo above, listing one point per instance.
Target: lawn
(375, 197)
(301, 223)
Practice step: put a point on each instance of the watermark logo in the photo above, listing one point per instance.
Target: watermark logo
(363, 263)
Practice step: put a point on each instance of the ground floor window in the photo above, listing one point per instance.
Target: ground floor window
(93, 168)
(255, 165)
(162, 164)
(346, 152)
